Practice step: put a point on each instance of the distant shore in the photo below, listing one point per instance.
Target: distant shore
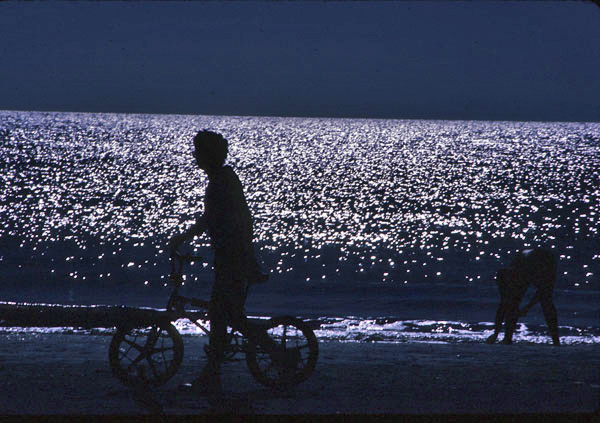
(69, 374)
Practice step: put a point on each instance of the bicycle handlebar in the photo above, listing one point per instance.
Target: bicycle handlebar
(176, 256)
(185, 257)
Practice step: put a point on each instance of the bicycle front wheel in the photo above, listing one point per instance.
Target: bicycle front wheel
(149, 356)
(295, 356)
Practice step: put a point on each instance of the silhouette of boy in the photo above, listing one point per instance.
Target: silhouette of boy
(228, 222)
(538, 267)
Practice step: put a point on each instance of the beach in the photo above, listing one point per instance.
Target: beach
(62, 373)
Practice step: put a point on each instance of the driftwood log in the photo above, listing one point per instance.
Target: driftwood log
(43, 315)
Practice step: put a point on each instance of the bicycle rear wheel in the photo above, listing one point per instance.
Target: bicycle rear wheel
(149, 356)
(295, 358)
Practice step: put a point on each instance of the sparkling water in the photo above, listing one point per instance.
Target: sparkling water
(352, 217)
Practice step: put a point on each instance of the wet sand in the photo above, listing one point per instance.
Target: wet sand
(70, 374)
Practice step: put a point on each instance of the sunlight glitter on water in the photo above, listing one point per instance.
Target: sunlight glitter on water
(333, 199)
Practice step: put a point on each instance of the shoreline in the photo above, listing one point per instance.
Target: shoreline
(69, 374)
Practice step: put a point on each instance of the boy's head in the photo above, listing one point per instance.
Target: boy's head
(210, 150)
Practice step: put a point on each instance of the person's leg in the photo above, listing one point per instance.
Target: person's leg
(237, 317)
(244, 271)
(259, 336)
(512, 313)
(255, 332)
(514, 298)
(500, 313)
(286, 360)
(218, 334)
(550, 313)
(218, 313)
(209, 378)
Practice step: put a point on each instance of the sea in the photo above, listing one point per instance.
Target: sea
(374, 230)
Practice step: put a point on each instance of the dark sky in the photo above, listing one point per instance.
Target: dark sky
(431, 60)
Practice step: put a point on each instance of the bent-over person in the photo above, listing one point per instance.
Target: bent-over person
(537, 267)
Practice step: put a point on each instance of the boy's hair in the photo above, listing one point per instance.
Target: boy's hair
(212, 146)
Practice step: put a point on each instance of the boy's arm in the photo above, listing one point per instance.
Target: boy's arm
(498, 324)
(196, 229)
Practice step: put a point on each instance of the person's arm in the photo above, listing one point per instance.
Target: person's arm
(196, 229)
(498, 324)
(534, 301)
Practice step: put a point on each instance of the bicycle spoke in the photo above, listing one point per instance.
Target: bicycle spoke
(123, 357)
(167, 362)
(133, 344)
(284, 341)
(139, 358)
(153, 368)
(161, 350)
(152, 337)
(124, 353)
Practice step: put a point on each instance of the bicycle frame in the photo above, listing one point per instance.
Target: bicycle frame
(176, 303)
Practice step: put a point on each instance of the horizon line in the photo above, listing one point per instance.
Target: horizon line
(302, 117)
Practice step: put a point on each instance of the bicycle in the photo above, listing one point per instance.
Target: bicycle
(152, 355)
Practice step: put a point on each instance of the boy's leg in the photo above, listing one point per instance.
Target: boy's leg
(512, 311)
(512, 314)
(259, 336)
(500, 313)
(209, 379)
(219, 312)
(239, 321)
(285, 360)
(216, 340)
(550, 313)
